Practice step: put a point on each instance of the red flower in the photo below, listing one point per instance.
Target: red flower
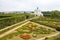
(25, 36)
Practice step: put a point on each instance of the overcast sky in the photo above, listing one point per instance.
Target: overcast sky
(29, 5)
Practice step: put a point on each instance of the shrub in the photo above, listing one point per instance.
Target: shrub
(58, 28)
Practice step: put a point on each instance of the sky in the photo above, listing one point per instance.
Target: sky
(29, 5)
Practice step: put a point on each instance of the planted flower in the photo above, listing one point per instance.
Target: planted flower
(32, 25)
(25, 36)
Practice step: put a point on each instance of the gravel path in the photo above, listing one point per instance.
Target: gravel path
(10, 31)
(49, 36)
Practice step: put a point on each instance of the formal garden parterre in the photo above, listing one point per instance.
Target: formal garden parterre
(30, 31)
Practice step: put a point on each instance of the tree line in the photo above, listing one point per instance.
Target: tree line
(55, 13)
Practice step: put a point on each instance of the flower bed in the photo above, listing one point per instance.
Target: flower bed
(25, 36)
(54, 23)
(30, 31)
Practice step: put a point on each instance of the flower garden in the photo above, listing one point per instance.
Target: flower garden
(30, 31)
(50, 22)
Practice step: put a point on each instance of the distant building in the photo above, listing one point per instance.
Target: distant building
(37, 12)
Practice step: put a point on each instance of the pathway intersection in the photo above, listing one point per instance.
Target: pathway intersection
(24, 23)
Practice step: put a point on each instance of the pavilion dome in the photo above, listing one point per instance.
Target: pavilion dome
(38, 12)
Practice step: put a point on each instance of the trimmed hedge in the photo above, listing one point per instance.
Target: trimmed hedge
(12, 19)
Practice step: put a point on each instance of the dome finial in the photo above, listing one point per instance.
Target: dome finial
(37, 7)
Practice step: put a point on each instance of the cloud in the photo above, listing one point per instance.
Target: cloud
(20, 5)
(14, 5)
(49, 4)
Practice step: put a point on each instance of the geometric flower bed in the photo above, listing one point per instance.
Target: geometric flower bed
(30, 31)
(50, 22)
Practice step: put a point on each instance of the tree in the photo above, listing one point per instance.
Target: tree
(55, 13)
